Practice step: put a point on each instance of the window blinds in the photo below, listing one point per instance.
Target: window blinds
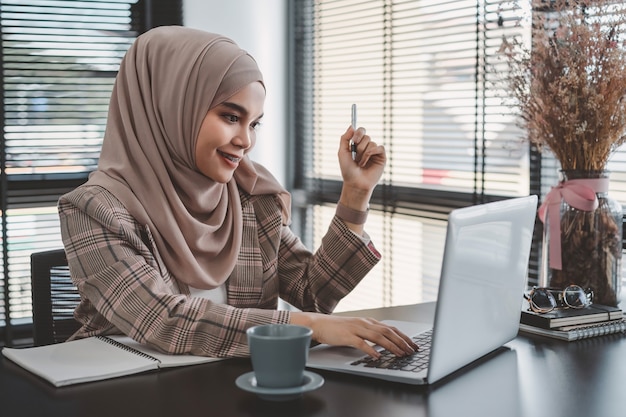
(425, 75)
(59, 61)
(418, 71)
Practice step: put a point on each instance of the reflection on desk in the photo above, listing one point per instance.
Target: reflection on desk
(581, 378)
(497, 394)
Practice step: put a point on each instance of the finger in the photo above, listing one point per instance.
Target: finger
(360, 138)
(389, 345)
(389, 339)
(346, 140)
(348, 135)
(373, 152)
(362, 141)
(366, 348)
(399, 340)
(407, 339)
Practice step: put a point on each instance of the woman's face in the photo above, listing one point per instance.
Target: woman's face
(228, 132)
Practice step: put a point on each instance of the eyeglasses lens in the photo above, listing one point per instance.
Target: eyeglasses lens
(575, 297)
(542, 300)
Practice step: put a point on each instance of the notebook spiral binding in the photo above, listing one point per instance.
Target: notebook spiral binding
(126, 348)
(578, 332)
(600, 329)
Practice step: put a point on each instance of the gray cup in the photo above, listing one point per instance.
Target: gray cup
(279, 353)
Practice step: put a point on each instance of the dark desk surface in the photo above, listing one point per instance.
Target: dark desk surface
(535, 377)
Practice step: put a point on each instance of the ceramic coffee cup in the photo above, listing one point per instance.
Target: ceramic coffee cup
(279, 353)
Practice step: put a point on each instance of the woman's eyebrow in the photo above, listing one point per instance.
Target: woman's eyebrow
(240, 109)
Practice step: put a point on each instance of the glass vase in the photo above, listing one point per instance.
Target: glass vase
(591, 246)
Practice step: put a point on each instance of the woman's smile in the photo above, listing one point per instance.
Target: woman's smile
(232, 158)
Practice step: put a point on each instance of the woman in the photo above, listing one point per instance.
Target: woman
(180, 241)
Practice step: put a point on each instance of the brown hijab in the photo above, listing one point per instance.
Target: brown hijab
(167, 82)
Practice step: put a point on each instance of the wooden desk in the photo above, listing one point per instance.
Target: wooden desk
(536, 378)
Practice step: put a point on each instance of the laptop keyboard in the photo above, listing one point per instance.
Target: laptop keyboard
(413, 363)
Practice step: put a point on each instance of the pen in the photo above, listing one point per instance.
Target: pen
(352, 144)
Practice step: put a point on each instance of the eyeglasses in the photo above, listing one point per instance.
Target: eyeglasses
(544, 300)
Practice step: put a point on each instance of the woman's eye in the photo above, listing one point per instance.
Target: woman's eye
(255, 125)
(231, 118)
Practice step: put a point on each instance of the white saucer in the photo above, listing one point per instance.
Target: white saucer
(312, 381)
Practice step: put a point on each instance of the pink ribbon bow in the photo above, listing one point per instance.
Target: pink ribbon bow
(580, 194)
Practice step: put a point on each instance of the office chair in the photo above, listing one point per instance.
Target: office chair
(54, 297)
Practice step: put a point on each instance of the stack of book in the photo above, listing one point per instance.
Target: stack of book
(573, 324)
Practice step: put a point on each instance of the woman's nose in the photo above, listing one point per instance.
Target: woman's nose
(244, 138)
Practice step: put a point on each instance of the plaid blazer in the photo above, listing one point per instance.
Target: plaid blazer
(126, 288)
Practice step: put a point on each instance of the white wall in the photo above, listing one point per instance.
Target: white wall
(260, 27)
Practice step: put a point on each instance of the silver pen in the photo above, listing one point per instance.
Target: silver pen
(352, 144)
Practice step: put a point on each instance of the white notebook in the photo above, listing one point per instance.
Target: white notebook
(94, 359)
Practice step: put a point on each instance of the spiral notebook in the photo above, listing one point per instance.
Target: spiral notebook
(577, 332)
(94, 359)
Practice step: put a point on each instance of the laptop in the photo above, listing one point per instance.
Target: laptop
(483, 277)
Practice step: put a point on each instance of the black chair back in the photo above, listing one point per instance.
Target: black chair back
(54, 298)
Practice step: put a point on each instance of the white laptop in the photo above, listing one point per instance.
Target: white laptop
(483, 278)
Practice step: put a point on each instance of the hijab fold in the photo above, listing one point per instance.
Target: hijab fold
(168, 80)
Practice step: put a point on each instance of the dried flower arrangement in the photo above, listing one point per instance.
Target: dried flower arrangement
(571, 87)
(570, 93)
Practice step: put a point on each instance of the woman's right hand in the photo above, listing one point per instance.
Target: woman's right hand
(357, 332)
